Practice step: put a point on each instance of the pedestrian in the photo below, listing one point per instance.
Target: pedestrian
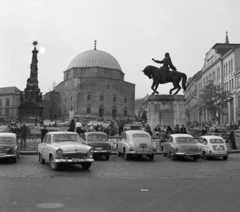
(148, 129)
(183, 129)
(232, 139)
(163, 138)
(120, 130)
(23, 135)
(44, 131)
(78, 127)
(157, 129)
(72, 126)
(176, 129)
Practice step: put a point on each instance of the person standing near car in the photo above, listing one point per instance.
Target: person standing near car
(78, 127)
(23, 135)
(163, 138)
(44, 131)
(72, 126)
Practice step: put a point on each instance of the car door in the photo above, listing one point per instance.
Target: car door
(46, 147)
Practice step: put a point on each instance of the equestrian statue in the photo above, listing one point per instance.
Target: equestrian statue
(163, 75)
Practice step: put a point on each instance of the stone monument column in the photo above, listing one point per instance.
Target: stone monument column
(166, 110)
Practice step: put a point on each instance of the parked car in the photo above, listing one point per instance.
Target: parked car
(105, 124)
(47, 123)
(65, 147)
(213, 146)
(136, 142)
(9, 146)
(93, 123)
(181, 145)
(99, 142)
(59, 123)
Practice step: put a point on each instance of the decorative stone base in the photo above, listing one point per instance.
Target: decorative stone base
(166, 110)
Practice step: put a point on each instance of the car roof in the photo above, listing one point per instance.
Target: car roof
(7, 134)
(94, 133)
(181, 135)
(211, 137)
(61, 132)
(131, 132)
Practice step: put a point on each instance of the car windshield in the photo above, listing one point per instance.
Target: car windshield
(182, 140)
(97, 137)
(7, 140)
(140, 136)
(66, 137)
(216, 141)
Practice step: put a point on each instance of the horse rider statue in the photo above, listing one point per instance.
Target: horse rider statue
(167, 62)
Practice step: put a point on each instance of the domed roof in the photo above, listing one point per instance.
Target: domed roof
(95, 58)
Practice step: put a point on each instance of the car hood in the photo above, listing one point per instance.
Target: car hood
(188, 147)
(69, 146)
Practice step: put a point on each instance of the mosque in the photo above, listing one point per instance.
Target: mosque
(93, 86)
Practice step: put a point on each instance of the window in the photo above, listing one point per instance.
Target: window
(88, 109)
(89, 97)
(108, 85)
(65, 99)
(59, 112)
(114, 112)
(0, 103)
(101, 97)
(7, 102)
(218, 73)
(7, 111)
(114, 98)
(125, 112)
(71, 98)
(125, 99)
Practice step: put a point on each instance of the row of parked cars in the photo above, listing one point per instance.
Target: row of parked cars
(69, 148)
(55, 123)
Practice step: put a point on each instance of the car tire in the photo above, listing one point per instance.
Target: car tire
(125, 155)
(40, 159)
(86, 166)
(151, 157)
(14, 160)
(107, 156)
(225, 157)
(54, 166)
(205, 157)
(172, 156)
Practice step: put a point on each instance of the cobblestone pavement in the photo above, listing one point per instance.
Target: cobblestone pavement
(136, 168)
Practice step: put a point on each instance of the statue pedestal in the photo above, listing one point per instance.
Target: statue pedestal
(166, 110)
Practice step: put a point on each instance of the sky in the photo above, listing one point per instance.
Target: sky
(133, 32)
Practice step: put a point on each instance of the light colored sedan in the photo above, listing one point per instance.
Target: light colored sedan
(135, 142)
(213, 146)
(65, 147)
(181, 145)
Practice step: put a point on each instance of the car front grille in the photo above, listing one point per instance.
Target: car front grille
(75, 155)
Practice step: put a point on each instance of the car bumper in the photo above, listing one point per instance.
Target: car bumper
(102, 151)
(187, 154)
(142, 153)
(217, 154)
(8, 155)
(74, 160)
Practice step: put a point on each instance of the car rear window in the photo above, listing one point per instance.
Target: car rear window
(184, 140)
(140, 136)
(6, 140)
(66, 137)
(216, 141)
(97, 137)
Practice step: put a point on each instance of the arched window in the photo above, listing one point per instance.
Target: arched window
(125, 111)
(88, 109)
(114, 112)
(89, 97)
(125, 99)
(108, 85)
(114, 98)
(101, 97)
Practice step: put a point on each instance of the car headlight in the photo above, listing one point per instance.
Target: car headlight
(59, 153)
(131, 148)
(10, 150)
(90, 153)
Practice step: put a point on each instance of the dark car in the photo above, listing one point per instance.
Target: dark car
(8, 146)
(99, 142)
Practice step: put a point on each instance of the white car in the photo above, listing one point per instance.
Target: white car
(213, 146)
(65, 147)
(47, 123)
(135, 142)
(93, 123)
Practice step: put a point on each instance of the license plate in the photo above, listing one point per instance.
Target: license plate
(98, 148)
(143, 145)
(75, 160)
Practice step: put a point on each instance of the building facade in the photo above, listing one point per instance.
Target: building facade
(222, 67)
(9, 102)
(94, 86)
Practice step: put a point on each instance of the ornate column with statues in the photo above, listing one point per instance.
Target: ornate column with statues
(31, 108)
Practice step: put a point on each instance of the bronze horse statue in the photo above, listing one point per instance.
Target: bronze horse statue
(172, 76)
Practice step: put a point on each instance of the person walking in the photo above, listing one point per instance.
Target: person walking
(157, 130)
(78, 127)
(23, 135)
(232, 139)
(183, 129)
(44, 131)
(163, 138)
(72, 126)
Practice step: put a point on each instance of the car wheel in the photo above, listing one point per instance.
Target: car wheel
(125, 155)
(172, 156)
(225, 157)
(54, 165)
(151, 157)
(40, 159)
(205, 157)
(86, 165)
(14, 160)
(107, 156)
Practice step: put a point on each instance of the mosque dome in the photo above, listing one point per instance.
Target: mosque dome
(94, 58)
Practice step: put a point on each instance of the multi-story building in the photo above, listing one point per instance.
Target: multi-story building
(9, 102)
(222, 67)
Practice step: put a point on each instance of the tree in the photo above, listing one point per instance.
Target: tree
(214, 99)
